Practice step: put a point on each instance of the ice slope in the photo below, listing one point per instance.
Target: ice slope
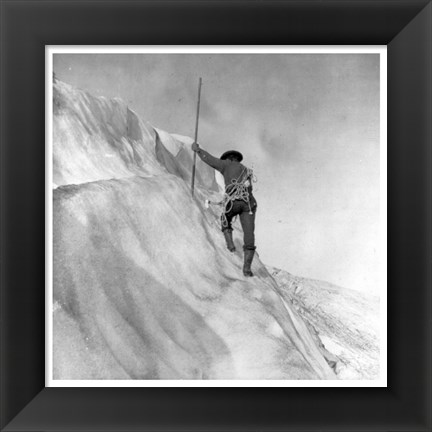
(99, 139)
(344, 320)
(144, 287)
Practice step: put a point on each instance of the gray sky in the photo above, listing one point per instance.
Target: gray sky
(308, 124)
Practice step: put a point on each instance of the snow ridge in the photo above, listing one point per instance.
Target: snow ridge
(345, 323)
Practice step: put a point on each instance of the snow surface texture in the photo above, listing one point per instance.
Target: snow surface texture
(345, 321)
(144, 287)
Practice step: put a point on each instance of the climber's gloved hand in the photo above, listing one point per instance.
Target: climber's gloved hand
(195, 147)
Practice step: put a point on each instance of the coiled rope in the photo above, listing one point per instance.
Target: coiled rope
(236, 190)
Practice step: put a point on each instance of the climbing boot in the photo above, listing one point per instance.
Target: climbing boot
(229, 240)
(248, 258)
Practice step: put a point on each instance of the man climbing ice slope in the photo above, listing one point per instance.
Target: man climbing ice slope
(238, 200)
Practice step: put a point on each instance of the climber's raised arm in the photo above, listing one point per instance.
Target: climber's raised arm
(206, 157)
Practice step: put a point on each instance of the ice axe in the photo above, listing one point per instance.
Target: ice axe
(196, 135)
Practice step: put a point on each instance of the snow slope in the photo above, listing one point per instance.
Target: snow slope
(345, 321)
(144, 287)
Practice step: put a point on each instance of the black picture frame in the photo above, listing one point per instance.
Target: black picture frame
(27, 26)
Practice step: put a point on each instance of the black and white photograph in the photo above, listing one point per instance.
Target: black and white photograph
(216, 216)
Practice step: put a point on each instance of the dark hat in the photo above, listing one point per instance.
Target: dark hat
(229, 153)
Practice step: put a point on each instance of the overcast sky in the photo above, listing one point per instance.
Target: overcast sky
(308, 124)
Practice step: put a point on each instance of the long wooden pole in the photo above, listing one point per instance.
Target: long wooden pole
(196, 134)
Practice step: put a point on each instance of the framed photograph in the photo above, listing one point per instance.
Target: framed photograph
(311, 124)
(216, 230)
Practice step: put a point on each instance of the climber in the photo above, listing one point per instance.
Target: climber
(238, 200)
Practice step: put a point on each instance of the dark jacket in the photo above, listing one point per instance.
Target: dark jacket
(231, 170)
